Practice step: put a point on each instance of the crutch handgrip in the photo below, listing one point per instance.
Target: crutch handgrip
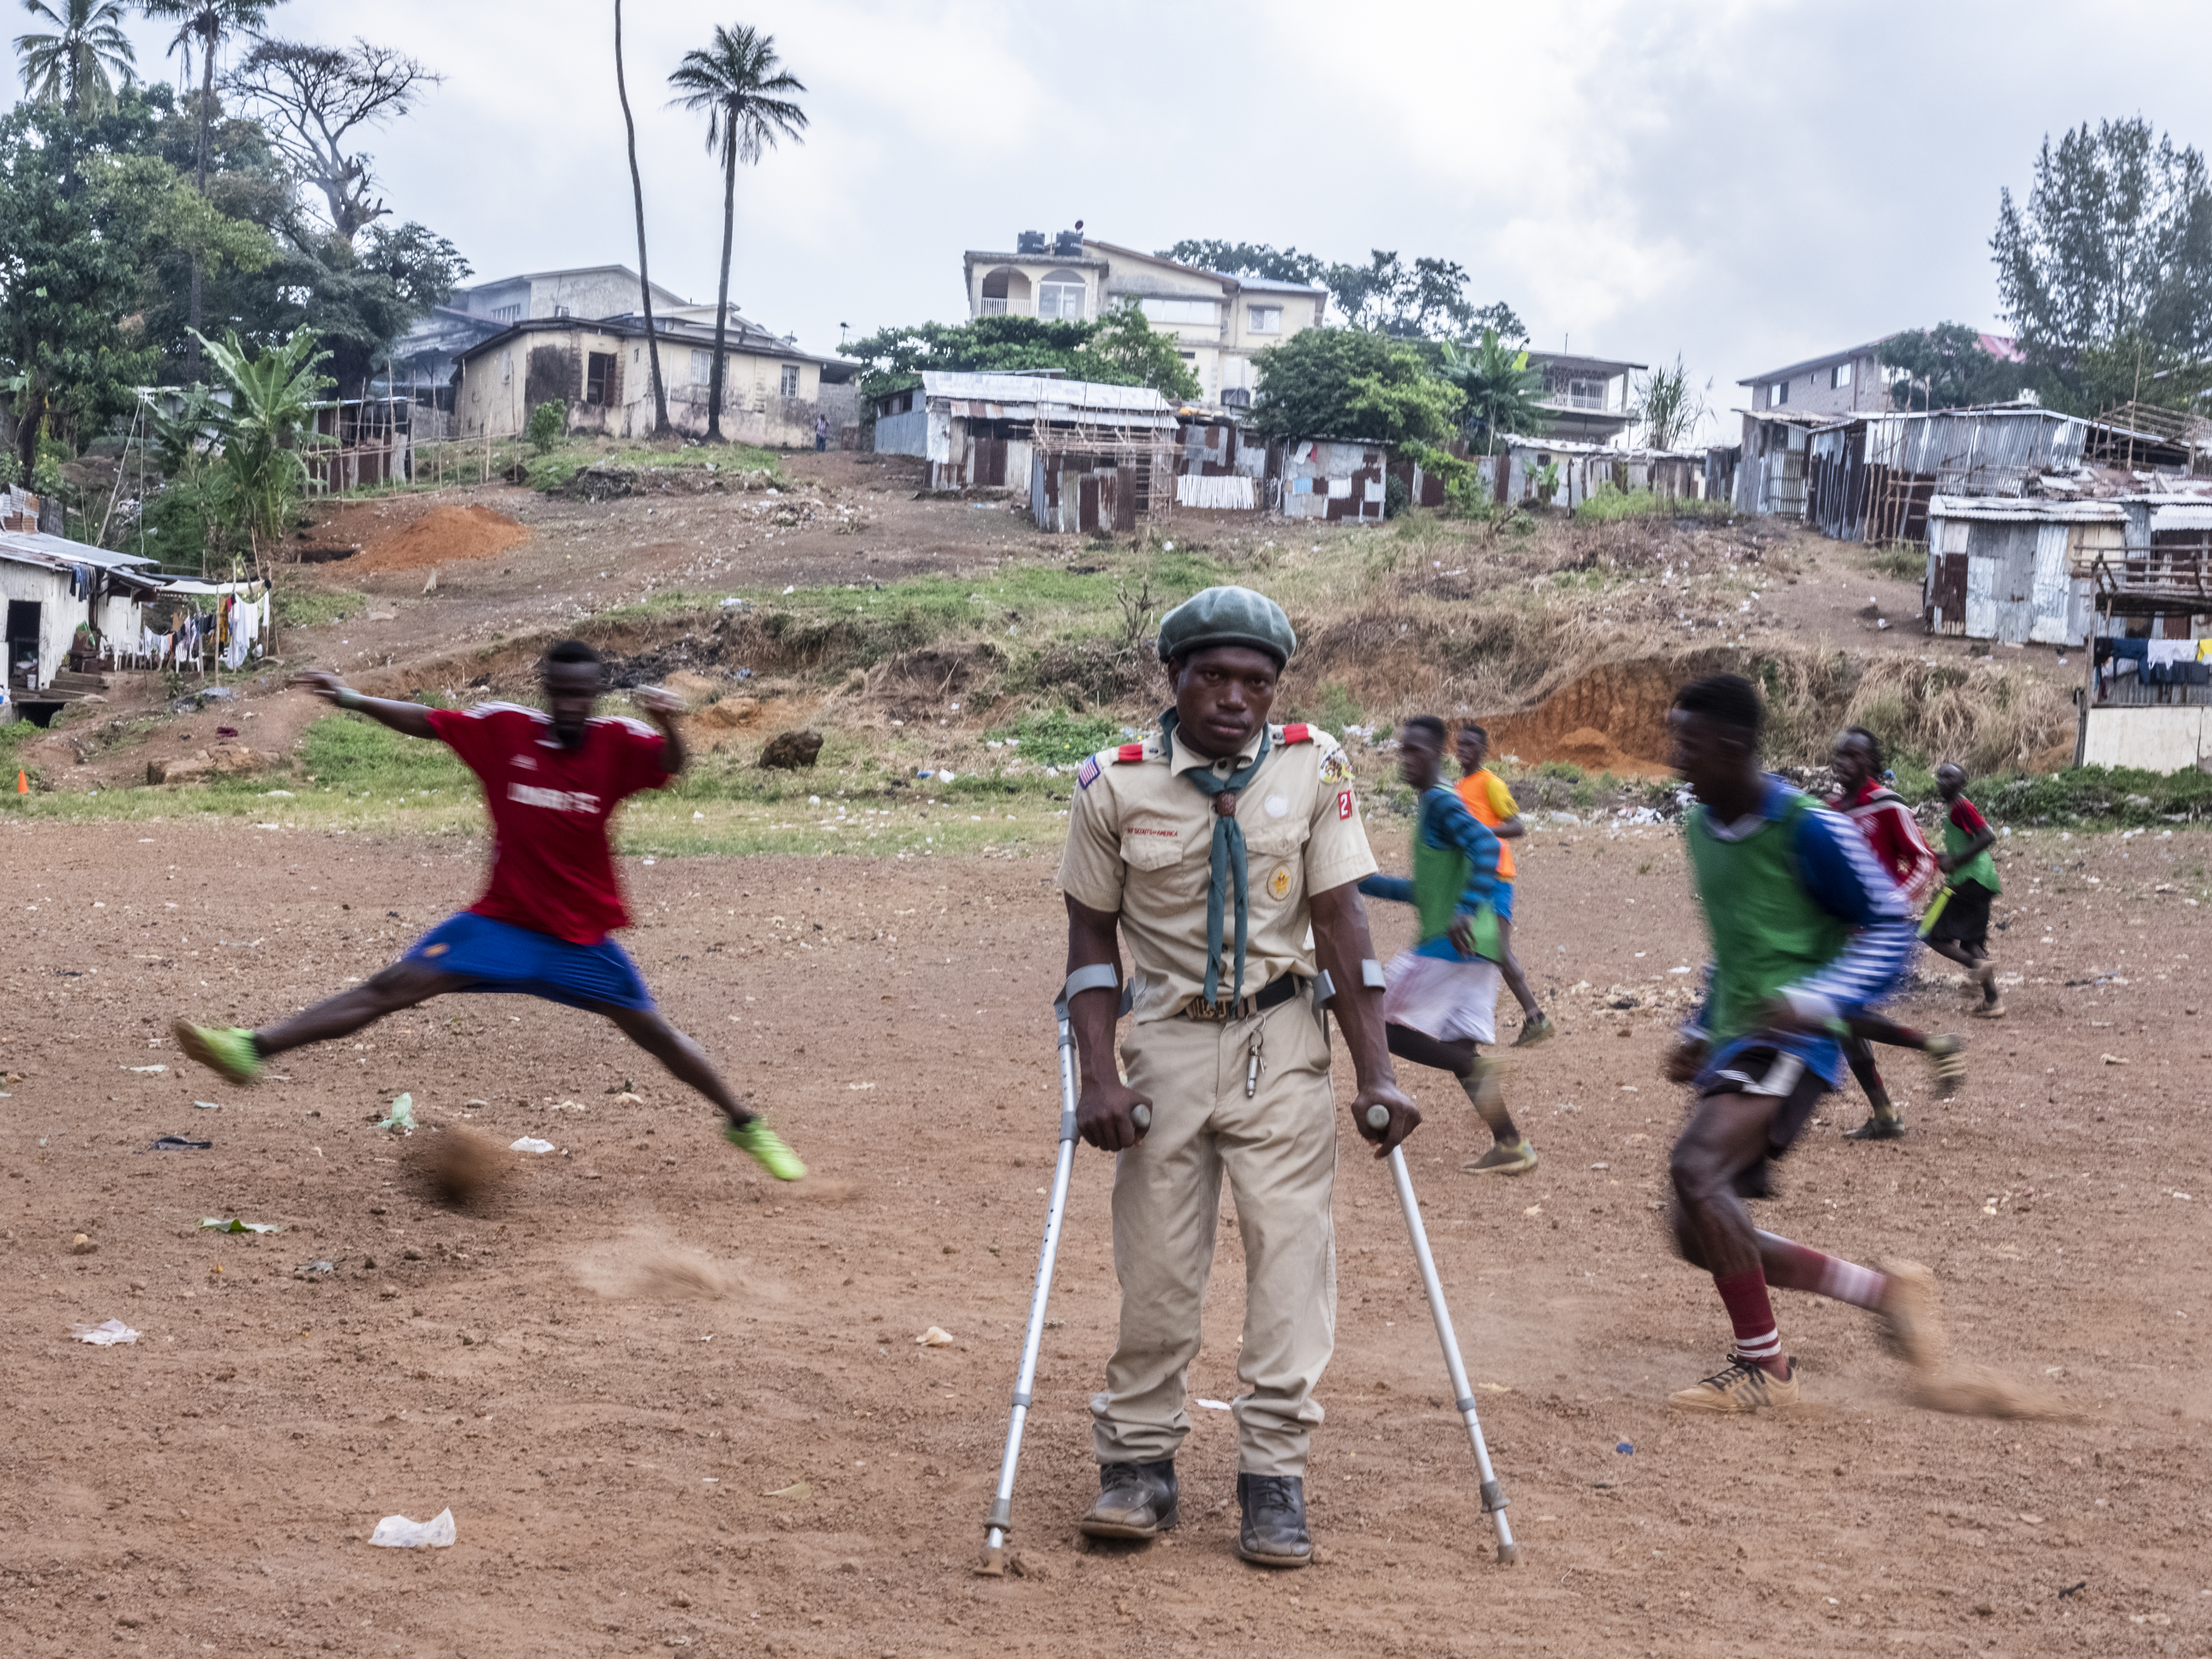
(1378, 1116)
(1141, 1116)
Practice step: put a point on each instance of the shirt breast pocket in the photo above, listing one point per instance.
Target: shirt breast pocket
(1274, 859)
(1151, 850)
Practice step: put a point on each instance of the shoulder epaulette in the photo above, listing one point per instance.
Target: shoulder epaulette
(1128, 752)
(1298, 732)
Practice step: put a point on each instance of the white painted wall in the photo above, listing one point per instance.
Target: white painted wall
(2177, 738)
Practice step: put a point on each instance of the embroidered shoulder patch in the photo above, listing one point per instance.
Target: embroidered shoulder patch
(1344, 803)
(1335, 769)
(1128, 752)
(1089, 775)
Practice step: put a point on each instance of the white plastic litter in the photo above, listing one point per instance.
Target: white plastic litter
(105, 1335)
(1215, 1405)
(397, 1532)
(530, 1144)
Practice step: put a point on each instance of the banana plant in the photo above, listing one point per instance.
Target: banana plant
(270, 420)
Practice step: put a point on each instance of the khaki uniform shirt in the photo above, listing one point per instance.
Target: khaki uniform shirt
(1140, 842)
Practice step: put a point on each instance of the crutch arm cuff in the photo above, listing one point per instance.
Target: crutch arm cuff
(1096, 976)
(1001, 1514)
(1494, 1498)
(1371, 974)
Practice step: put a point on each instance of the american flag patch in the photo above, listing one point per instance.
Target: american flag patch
(1089, 775)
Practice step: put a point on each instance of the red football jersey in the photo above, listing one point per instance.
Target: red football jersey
(551, 867)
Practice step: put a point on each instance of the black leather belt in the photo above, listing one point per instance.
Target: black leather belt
(1274, 996)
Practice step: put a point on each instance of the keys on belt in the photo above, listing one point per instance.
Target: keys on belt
(1274, 996)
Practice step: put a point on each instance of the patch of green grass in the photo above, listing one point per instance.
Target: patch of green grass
(352, 755)
(1334, 709)
(556, 468)
(308, 607)
(1905, 564)
(1057, 738)
(1609, 504)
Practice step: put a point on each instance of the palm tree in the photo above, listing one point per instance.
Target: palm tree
(203, 24)
(660, 427)
(72, 68)
(736, 82)
(1500, 388)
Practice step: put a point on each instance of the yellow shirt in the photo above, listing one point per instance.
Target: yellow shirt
(1140, 841)
(1492, 803)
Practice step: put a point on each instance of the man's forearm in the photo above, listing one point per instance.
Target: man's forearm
(409, 719)
(1342, 945)
(675, 756)
(1093, 1014)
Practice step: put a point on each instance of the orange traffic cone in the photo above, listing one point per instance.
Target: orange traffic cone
(22, 782)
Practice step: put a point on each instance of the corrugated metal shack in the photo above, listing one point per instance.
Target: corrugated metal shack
(983, 431)
(1511, 478)
(1224, 464)
(1870, 477)
(2013, 570)
(1323, 478)
(1769, 473)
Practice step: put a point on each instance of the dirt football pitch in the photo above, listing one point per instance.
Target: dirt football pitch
(675, 1407)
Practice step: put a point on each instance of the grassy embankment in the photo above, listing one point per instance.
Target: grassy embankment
(1046, 661)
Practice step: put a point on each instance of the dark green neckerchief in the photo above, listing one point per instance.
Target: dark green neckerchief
(1228, 853)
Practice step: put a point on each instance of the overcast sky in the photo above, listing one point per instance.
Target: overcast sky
(1746, 182)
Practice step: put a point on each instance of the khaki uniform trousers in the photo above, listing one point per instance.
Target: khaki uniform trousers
(1279, 1150)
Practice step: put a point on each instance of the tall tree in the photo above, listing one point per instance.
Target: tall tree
(1352, 383)
(1947, 367)
(737, 84)
(661, 428)
(71, 67)
(202, 25)
(320, 98)
(2109, 262)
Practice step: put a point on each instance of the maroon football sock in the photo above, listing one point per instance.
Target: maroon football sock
(1757, 1340)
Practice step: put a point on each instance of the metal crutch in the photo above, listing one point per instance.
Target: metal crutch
(1493, 1495)
(1000, 1521)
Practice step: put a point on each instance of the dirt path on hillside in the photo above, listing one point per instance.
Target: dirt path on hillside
(675, 1408)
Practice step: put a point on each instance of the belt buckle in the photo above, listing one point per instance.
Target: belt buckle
(1214, 1012)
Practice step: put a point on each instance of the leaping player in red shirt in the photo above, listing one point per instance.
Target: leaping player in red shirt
(1893, 837)
(551, 782)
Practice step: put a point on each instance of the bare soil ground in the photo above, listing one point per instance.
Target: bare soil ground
(674, 1408)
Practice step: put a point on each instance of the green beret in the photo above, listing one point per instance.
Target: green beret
(1227, 615)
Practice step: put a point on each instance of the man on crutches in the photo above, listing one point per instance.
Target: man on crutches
(1228, 852)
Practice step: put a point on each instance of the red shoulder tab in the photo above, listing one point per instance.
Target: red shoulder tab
(1129, 751)
(1297, 732)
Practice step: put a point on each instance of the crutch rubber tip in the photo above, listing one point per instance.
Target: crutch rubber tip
(1508, 1555)
(993, 1563)
(1141, 1116)
(1378, 1117)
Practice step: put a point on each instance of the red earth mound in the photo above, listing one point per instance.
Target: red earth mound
(444, 535)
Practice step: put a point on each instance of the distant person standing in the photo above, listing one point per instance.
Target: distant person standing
(1893, 837)
(821, 432)
(1957, 925)
(1492, 804)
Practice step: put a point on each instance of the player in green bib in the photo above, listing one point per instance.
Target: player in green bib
(1957, 925)
(1441, 995)
(1806, 931)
